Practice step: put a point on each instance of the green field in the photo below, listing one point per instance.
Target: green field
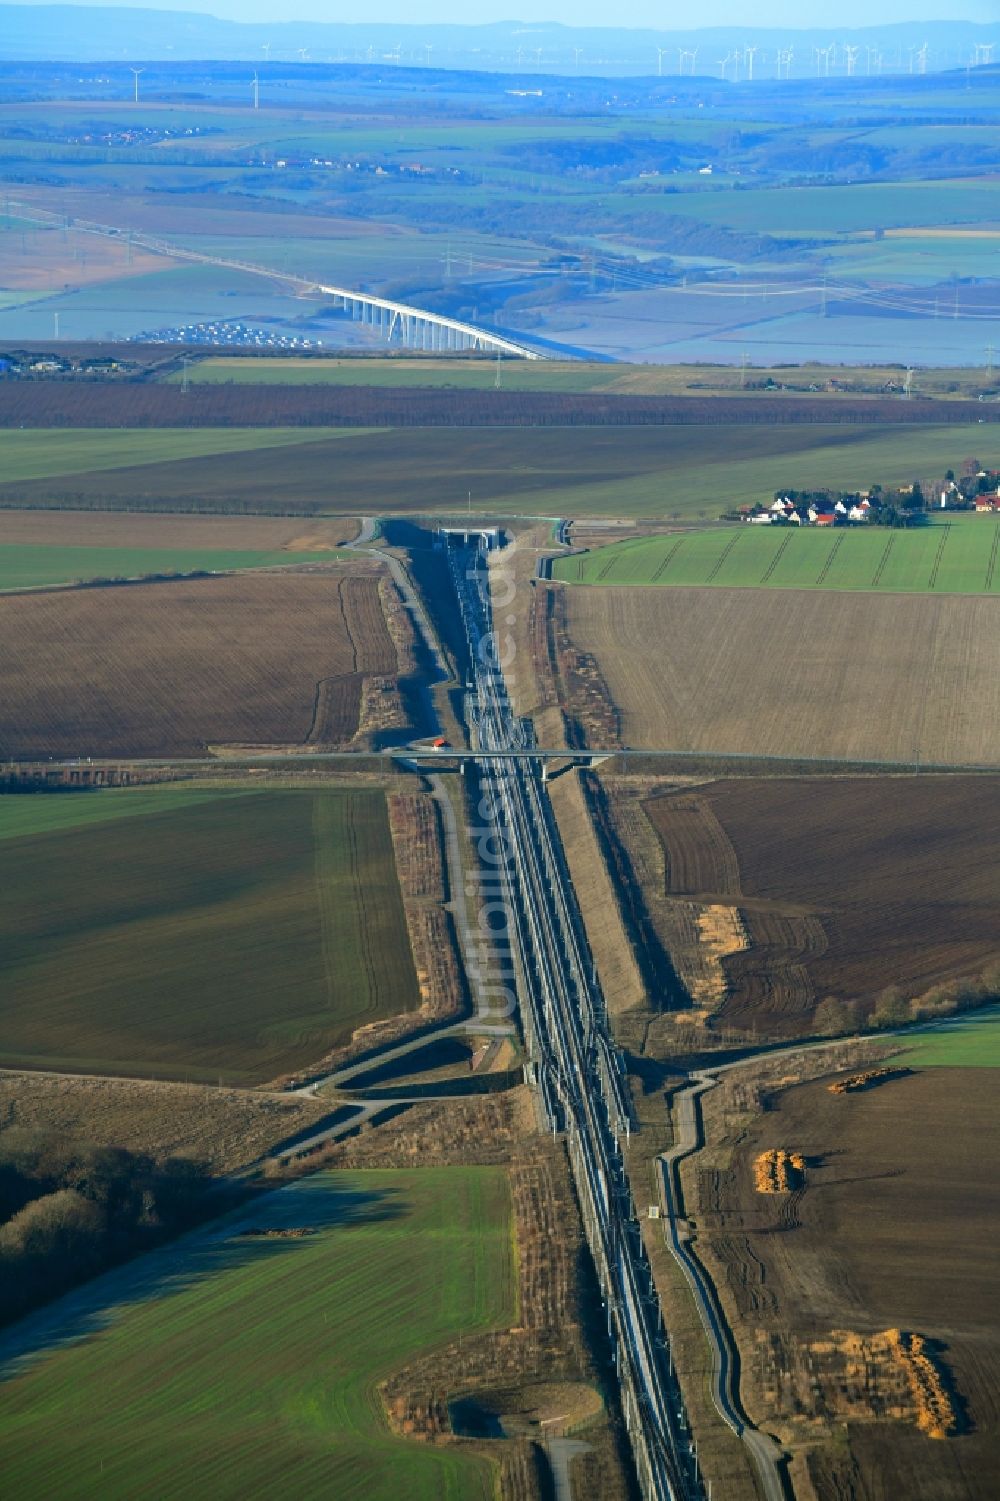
(15, 299)
(576, 375)
(688, 470)
(235, 1366)
(453, 374)
(49, 813)
(971, 1040)
(851, 207)
(231, 936)
(930, 259)
(38, 453)
(26, 566)
(949, 558)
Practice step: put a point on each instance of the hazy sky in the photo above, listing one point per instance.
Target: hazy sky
(652, 13)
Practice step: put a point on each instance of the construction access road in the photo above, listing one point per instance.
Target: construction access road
(766, 1454)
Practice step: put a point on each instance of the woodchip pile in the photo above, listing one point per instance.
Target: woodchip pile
(859, 1081)
(778, 1171)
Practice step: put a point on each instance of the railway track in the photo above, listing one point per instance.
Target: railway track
(577, 1072)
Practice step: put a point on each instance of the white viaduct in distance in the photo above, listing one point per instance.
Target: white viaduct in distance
(411, 327)
(414, 328)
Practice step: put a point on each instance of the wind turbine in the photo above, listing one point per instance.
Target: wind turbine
(660, 53)
(851, 53)
(428, 49)
(748, 56)
(265, 47)
(256, 92)
(577, 54)
(137, 71)
(303, 54)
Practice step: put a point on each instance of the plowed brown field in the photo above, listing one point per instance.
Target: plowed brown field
(168, 669)
(846, 676)
(895, 1228)
(845, 885)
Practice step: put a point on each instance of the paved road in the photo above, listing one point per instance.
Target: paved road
(365, 1112)
(411, 598)
(765, 1452)
(340, 1078)
(561, 1453)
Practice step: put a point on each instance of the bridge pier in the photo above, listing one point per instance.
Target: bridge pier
(554, 767)
(414, 328)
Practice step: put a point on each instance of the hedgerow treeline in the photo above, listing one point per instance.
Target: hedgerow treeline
(893, 1007)
(68, 1209)
(110, 404)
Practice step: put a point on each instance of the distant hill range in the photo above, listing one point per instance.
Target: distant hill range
(83, 34)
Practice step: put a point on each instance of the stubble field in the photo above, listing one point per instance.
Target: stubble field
(231, 938)
(179, 1389)
(171, 668)
(227, 1129)
(796, 673)
(838, 888)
